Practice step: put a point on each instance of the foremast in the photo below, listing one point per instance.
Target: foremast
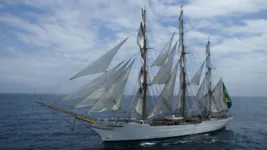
(143, 72)
(182, 65)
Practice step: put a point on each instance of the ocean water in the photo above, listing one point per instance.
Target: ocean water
(25, 124)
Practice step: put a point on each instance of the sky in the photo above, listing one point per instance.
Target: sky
(44, 43)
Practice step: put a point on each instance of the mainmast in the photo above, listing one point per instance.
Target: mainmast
(143, 72)
(182, 64)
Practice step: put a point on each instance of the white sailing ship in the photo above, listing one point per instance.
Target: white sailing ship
(167, 117)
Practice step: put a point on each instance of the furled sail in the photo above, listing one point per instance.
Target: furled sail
(98, 83)
(196, 78)
(111, 100)
(139, 97)
(101, 64)
(140, 36)
(162, 57)
(208, 59)
(181, 28)
(164, 104)
(165, 71)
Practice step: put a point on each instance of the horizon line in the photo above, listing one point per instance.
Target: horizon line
(123, 94)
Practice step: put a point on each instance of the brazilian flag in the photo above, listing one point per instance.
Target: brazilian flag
(227, 97)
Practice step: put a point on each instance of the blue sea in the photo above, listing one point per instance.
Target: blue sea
(25, 124)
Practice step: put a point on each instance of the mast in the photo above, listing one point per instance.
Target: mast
(144, 65)
(182, 64)
(208, 73)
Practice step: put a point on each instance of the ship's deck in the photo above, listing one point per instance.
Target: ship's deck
(174, 121)
(188, 120)
(168, 121)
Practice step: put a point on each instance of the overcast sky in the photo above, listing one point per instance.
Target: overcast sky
(44, 41)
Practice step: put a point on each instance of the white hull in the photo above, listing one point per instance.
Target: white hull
(135, 131)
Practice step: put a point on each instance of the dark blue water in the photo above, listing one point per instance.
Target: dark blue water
(25, 124)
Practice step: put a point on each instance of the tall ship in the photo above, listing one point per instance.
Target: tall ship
(169, 115)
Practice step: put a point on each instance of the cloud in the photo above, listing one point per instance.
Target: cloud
(44, 41)
(206, 9)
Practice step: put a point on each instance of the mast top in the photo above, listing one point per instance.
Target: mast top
(180, 17)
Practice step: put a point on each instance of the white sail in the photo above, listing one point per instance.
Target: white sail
(164, 103)
(212, 105)
(98, 83)
(96, 94)
(179, 103)
(210, 101)
(101, 64)
(182, 90)
(201, 100)
(102, 88)
(139, 104)
(196, 78)
(204, 95)
(164, 54)
(165, 71)
(218, 97)
(106, 91)
(207, 99)
(112, 98)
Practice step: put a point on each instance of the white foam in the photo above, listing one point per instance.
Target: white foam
(145, 144)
